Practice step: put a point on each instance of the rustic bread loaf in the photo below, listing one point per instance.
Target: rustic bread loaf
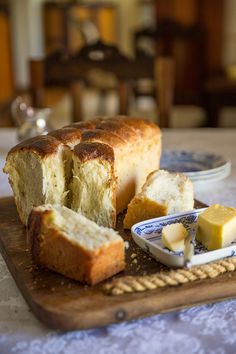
(67, 242)
(44, 169)
(163, 193)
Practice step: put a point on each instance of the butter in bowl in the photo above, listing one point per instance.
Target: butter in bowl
(212, 230)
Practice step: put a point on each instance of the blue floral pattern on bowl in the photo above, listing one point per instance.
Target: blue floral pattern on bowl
(196, 165)
(147, 235)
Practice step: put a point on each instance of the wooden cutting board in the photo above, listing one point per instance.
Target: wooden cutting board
(64, 304)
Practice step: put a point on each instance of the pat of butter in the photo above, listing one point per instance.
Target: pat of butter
(217, 227)
(173, 236)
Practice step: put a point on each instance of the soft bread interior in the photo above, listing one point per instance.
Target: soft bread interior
(26, 177)
(36, 181)
(93, 190)
(163, 193)
(173, 190)
(79, 230)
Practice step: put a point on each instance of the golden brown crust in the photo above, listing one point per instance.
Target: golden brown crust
(139, 124)
(102, 136)
(142, 208)
(122, 130)
(50, 248)
(110, 261)
(34, 225)
(113, 131)
(86, 151)
(67, 135)
(118, 128)
(43, 145)
(87, 125)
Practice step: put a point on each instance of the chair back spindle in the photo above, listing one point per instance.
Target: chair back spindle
(36, 72)
(164, 75)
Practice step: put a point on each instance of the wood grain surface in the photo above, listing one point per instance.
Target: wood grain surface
(64, 304)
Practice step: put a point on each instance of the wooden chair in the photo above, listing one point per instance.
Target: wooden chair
(72, 71)
(164, 74)
(185, 44)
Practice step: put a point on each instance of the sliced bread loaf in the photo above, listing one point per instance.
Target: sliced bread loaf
(54, 168)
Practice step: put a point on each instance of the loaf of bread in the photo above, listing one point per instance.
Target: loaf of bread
(93, 167)
(68, 243)
(163, 193)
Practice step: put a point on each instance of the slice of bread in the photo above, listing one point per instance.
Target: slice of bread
(163, 193)
(68, 243)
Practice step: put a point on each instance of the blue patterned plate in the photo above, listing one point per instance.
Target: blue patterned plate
(196, 166)
(147, 234)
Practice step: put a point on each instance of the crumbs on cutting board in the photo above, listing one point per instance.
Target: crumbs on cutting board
(139, 260)
(126, 245)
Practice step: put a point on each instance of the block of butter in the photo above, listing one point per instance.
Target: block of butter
(173, 236)
(217, 227)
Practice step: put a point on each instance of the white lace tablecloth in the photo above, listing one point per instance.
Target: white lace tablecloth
(207, 329)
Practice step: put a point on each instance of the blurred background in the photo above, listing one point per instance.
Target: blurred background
(86, 58)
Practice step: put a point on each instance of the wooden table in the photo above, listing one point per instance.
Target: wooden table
(219, 92)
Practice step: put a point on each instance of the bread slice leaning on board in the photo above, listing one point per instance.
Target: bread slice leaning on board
(93, 167)
(68, 243)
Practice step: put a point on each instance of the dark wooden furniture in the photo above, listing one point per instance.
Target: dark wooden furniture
(205, 14)
(6, 65)
(72, 70)
(185, 45)
(220, 91)
(6, 71)
(191, 31)
(61, 69)
(69, 25)
(165, 82)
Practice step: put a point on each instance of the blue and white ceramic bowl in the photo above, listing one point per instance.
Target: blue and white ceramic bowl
(197, 166)
(147, 234)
